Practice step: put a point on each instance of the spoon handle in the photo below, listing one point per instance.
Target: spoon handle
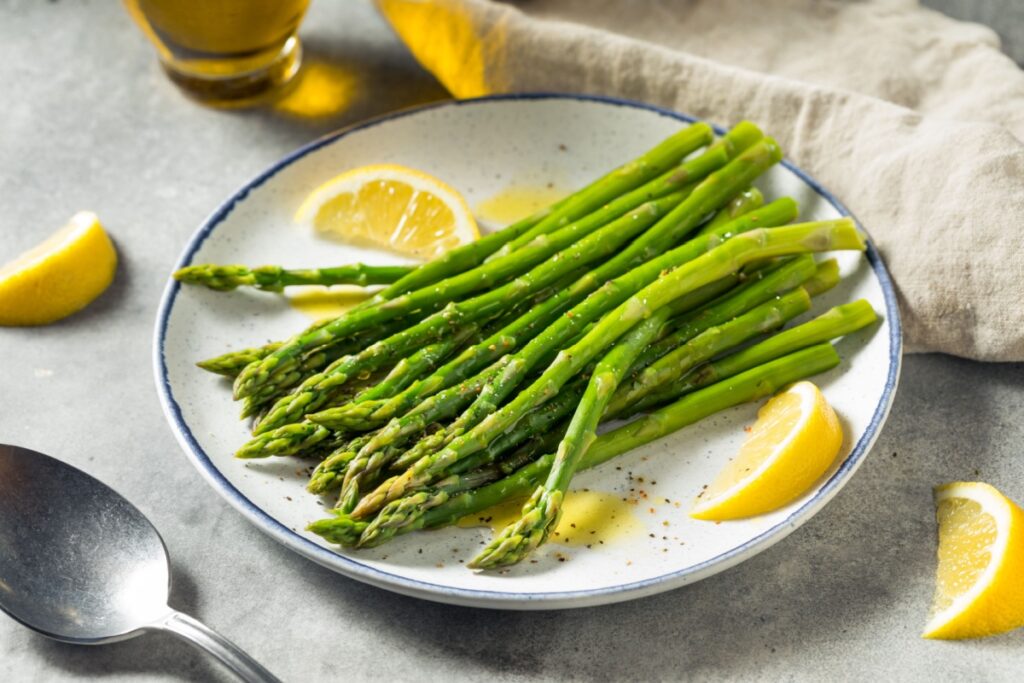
(229, 654)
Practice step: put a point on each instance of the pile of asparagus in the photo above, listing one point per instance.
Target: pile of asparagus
(654, 295)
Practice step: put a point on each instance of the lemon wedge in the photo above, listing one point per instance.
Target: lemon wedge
(978, 587)
(60, 276)
(391, 206)
(794, 441)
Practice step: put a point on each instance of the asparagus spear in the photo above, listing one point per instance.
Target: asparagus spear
(763, 285)
(357, 415)
(276, 278)
(542, 511)
(835, 322)
(433, 442)
(749, 200)
(542, 420)
(316, 361)
(408, 510)
(767, 316)
(709, 194)
(826, 277)
(447, 402)
(735, 141)
(727, 258)
(713, 192)
(458, 282)
(331, 469)
(296, 437)
(670, 188)
(231, 363)
(599, 244)
(750, 385)
(366, 415)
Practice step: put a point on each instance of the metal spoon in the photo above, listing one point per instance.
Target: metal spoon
(81, 564)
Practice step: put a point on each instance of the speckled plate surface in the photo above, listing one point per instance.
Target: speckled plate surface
(482, 147)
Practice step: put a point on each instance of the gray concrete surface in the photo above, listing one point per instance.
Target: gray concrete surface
(88, 121)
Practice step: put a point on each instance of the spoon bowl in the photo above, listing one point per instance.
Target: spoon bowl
(80, 564)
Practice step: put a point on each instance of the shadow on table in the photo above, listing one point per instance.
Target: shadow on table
(861, 568)
(152, 653)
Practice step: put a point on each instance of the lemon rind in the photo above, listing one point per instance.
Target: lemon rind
(807, 393)
(1003, 517)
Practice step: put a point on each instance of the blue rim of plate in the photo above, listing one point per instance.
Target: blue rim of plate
(543, 600)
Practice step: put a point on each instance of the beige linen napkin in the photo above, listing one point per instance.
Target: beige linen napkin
(913, 120)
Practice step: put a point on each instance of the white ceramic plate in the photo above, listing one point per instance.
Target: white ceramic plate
(482, 147)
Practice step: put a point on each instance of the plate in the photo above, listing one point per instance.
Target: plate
(483, 147)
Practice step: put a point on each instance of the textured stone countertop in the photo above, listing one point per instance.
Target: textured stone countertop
(89, 121)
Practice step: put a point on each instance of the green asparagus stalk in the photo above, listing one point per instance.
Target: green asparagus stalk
(836, 322)
(719, 262)
(407, 510)
(458, 283)
(314, 362)
(700, 347)
(480, 355)
(826, 277)
(749, 200)
(366, 415)
(761, 286)
(670, 188)
(750, 385)
(275, 278)
(231, 363)
(542, 511)
(709, 194)
(437, 440)
(767, 316)
(296, 437)
(612, 293)
(707, 331)
(715, 191)
(735, 141)
(316, 389)
(328, 474)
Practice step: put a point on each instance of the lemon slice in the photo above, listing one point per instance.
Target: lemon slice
(794, 441)
(60, 276)
(391, 206)
(978, 587)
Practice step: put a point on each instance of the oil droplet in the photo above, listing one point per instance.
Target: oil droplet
(322, 302)
(517, 201)
(588, 518)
